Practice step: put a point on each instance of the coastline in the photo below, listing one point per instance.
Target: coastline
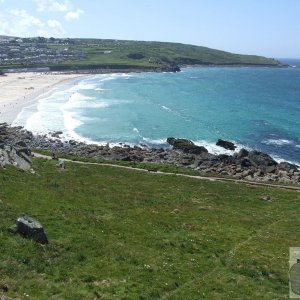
(10, 108)
(19, 90)
(252, 165)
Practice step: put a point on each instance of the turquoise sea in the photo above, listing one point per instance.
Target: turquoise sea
(256, 107)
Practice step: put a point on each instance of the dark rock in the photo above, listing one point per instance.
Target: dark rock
(30, 228)
(225, 144)
(186, 146)
(22, 148)
(21, 144)
(171, 141)
(187, 160)
(227, 159)
(242, 153)
(285, 166)
(270, 169)
(260, 159)
(72, 142)
(245, 163)
(56, 134)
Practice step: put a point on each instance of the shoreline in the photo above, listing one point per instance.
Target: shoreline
(46, 82)
(19, 90)
(242, 164)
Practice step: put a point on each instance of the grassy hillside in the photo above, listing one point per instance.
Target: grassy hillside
(136, 54)
(119, 54)
(122, 234)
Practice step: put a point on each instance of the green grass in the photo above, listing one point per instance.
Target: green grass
(154, 55)
(167, 168)
(123, 234)
(155, 52)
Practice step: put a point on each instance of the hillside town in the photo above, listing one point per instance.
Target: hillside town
(38, 50)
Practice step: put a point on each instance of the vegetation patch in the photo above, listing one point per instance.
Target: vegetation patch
(136, 55)
(121, 234)
(95, 54)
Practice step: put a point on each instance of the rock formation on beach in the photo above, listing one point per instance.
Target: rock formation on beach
(14, 152)
(250, 165)
(225, 144)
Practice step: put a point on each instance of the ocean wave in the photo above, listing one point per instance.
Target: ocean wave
(279, 159)
(100, 89)
(135, 130)
(71, 123)
(78, 100)
(84, 84)
(217, 150)
(105, 77)
(166, 108)
(279, 142)
(151, 142)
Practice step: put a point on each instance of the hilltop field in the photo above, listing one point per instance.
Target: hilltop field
(123, 234)
(100, 54)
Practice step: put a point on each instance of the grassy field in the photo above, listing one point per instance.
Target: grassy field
(139, 54)
(122, 234)
(122, 54)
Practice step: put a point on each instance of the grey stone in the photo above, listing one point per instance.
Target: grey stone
(186, 146)
(225, 144)
(30, 228)
(242, 153)
(266, 198)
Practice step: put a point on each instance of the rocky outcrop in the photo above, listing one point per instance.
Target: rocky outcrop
(262, 160)
(225, 144)
(249, 165)
(186, 146)
(16, 155)
(30, 228)
(14, 149)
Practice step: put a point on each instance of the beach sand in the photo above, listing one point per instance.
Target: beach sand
(18, 90)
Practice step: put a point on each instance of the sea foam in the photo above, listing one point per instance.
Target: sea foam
(278, 142)
(150, 107)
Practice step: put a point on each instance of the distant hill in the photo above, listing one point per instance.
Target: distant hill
(72, 54)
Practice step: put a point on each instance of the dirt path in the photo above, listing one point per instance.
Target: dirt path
(220, 179)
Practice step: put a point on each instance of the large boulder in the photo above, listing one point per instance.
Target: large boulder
(260, 159)
(10, 155)
(225, 144)
(30, 228)
(285, 166)
(242, 153)
(186, 146)
(227, 159)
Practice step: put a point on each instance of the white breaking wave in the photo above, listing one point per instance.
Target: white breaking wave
(214, 149)
(166, 108)
(279, 142)
(105, 77)
(100, 89)
(155, 141)
(135, 130)
(279, 160)
(70, 124)
(78, 100)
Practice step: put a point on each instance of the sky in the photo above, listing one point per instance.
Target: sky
(263, 27)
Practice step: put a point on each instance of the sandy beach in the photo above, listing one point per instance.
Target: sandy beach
(18, 90)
